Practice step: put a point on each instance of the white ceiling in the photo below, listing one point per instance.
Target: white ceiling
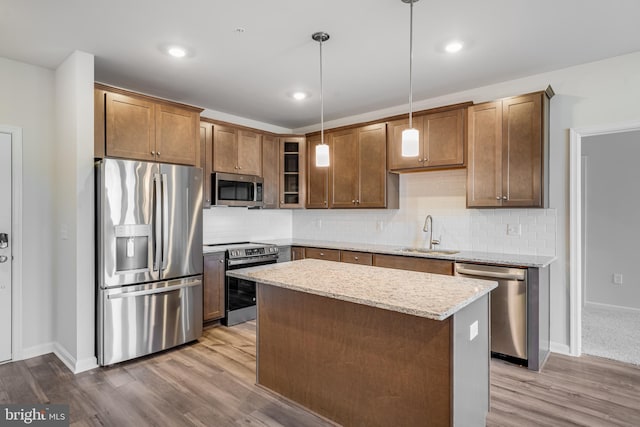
(250, 74)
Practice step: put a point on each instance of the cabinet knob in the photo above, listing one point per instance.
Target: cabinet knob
(353, 201)
(282, 201)
(498, 197)
(158, 153)
(325, 202)
(420, 159)
(504, 197)
(356, 258)
(153, 153)
(321, 253)
(358, 201)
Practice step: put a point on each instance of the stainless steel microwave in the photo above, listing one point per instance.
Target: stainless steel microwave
(230, 189)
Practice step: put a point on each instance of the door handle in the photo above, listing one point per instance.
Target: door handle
(158, 224)
(4, 240)
(165, 221)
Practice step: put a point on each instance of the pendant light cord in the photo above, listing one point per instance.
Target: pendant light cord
(410, 65)
(321, 99)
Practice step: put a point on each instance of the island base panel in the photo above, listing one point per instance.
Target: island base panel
(354, 364)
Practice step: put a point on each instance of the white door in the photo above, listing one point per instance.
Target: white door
(5, 246)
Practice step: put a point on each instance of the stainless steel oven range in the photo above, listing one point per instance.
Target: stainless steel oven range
(240, 305)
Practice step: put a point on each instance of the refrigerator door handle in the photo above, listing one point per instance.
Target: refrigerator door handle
(158, 221)
(154, 291)
(165, 222)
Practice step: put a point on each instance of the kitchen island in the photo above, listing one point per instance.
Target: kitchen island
(364, 345)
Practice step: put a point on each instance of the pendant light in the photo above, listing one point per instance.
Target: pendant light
(322, 150)
(411, 136)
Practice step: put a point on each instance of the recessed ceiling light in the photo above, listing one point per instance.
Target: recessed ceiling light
(177, 51)
(299, 96)
(453, 47)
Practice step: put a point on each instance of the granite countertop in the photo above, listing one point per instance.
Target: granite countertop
(514, 260)
(427, 295)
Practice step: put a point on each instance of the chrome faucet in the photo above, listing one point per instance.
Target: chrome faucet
(428, 228)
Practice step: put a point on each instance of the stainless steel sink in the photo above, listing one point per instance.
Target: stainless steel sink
(429, 251)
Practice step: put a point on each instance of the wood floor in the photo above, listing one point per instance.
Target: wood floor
(211, 383)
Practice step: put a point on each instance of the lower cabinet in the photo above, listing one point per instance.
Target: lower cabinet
(213, 286)
(297, 252)
(424, 265)
(325, 254)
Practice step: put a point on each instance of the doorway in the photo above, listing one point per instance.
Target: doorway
(579, 271)
(10, 242)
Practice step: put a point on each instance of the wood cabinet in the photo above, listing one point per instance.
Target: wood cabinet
(236, 150)
(325, 254)
(424, 265)
(359, 168)
(362, 258)
(139, 127)
(292, 172)
(297, 252)
(441, 141)
(508, 152)
(318, 191)
(270, 171)
(213, 288)
(206, 161)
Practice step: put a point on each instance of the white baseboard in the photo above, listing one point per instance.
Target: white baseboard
(35, 351)
(557, 347)
(75, 366)
(611, 307)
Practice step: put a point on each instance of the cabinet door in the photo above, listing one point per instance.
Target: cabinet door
(98, 123)
(317, 178)
(372, 166)
(225, 149)
(213, 289)
(270, 171)
(325, 254)
(130, 127)
(292, 172)
(484, 170)
(444, 138)
(249, 153)
(424, 265)
(394, 135)
(344, 168)
(297, 253)
(522, 151)
(206, 161)
(176, 135)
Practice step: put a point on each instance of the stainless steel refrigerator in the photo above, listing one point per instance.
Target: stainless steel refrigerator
(149, 257)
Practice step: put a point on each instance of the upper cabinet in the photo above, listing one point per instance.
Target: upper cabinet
(292, 172)
(317, 177)
(508, 152)
(206, 161)
(138, 127)
(270, 175)
(441, 141)
(359, 177)
(236, 150)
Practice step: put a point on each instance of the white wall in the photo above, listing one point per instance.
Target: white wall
(74, 201)
(612, 206)
(28, 102)
(598, 93)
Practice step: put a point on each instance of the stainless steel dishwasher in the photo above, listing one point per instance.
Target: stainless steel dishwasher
(508, 307)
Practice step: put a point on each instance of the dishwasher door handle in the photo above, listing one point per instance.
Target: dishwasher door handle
(490, 274)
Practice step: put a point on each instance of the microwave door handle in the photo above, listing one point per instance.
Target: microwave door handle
(165, 222)
(158, 219)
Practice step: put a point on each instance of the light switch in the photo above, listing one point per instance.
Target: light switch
(617, 279)
(473, 330)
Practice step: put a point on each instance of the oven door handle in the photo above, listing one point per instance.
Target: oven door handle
(254, 260)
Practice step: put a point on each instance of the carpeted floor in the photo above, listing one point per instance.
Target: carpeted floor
(610, 333)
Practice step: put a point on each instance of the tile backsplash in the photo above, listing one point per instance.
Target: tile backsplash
(441, 194)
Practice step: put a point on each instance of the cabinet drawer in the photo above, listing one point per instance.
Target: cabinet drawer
(326, 254)
(363, 258)
(425, 265)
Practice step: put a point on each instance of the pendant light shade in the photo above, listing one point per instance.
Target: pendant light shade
(410, 142)
(411, 136)
(322, 150)
(322, 155)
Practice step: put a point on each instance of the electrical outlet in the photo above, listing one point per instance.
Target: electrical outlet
(617, 278)
(473, 330)
(514, 229)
